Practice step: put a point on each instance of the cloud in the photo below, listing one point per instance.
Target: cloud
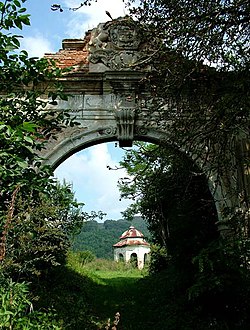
(36, 45)
(93, 183)
(89, 17)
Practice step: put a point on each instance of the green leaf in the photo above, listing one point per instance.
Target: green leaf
(22, 10)
(29, 127)
(25, 19)
(17, 3)
(29, 139)
(18, 23)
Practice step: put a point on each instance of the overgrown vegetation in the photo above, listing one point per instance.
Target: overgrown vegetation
(37, 215)
(172, 194)
(17, 309)
(86, 294)
(198, 279)
(213, 274)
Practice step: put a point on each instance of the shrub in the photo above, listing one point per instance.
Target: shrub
(16, 311)
(85, 257)
(159, 258)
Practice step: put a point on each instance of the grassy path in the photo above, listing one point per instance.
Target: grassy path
(85, 297)
(114, 290)
(116, 294)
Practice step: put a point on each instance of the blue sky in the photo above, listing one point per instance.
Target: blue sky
(48, 28)
(92, 182)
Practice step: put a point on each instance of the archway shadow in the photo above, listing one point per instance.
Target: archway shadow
(84, 303)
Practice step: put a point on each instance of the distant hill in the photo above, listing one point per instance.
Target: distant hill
(100, 237)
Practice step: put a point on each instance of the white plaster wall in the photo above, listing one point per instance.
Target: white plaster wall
(127, 251)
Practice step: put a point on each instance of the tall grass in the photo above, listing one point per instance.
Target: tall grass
(104, 268)
(112, 289)
(85, 295)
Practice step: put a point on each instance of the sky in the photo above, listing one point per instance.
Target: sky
(48, 27)
(92, 182)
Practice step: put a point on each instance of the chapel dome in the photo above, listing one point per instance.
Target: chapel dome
(131, 237)
(132, 232)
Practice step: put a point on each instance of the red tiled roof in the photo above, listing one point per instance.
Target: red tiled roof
(129, 241)
(132, 233)
(130, 237)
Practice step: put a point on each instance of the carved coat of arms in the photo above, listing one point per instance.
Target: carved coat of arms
(116, 44)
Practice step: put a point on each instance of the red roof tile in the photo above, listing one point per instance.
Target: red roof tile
(131, 232)
(130, 237)
(129, 242)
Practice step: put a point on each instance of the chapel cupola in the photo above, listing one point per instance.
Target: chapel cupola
(132, 245)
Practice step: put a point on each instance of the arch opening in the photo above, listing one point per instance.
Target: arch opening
(136, 260)
(121, 257)
(146, 258)
(133, 260)
(55, 161)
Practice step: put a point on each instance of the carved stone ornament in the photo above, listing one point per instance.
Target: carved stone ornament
(124, 35)
(125, 118)
(116, 44)
(108, 131)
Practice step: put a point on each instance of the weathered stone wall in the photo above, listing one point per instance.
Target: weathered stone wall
(109, 101)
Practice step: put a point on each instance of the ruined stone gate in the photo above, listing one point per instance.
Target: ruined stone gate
(107, 96)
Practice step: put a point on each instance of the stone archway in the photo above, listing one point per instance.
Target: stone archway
(107, 96)
(80, 139)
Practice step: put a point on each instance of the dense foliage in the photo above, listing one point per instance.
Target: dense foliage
(216, 32)
(200, 84)
(15, 301)
(172, 195)
(38, 236)
(36, 214)
(26, 124)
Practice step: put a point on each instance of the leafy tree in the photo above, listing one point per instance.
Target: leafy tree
(39, 236)
(26, 123)
(30, 244)
(216, 32)
(173, 196)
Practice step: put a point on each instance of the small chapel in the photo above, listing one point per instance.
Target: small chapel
(132, 246)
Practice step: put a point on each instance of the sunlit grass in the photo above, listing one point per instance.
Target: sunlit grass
(100, 269)
(86, 295)
(112, 285)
